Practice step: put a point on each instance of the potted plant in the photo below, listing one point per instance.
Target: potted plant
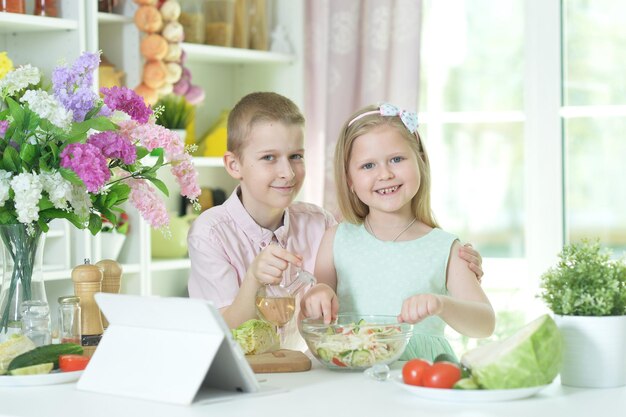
(586, 290)
(174, 113)
(113, 237)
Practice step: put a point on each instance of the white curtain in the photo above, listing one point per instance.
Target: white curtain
(356, 53)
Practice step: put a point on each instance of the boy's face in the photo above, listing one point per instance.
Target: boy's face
(270, 167)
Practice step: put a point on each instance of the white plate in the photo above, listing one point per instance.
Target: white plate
(44, 379)
(468, 396)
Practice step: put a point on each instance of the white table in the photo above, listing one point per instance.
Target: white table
(319, 392)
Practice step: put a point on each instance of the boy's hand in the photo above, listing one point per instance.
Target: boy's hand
(320, 301)
(269, 265)
(417, 307)
(474, 260)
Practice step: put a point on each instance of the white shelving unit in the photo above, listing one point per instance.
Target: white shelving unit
(226, 74)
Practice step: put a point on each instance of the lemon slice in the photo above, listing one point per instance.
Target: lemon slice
(42, 368)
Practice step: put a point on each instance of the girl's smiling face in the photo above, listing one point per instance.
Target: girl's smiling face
(383, 170)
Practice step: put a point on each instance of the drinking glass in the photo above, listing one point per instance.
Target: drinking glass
(276, 304)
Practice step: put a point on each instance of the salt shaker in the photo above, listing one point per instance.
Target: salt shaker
(87, 282)
(36, 321)
(111, 279)
(69, 319)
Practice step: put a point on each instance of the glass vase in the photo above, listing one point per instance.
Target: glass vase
(22, 274)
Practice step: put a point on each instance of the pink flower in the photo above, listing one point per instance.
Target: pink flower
(186, 176)
(126, 100)
(153, 136)
(146, 201)
(88, 163)
(115, 146)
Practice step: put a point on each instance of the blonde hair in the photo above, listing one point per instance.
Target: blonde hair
(353, 209)
(257, 107)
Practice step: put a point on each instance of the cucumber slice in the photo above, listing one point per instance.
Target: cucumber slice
(42, 368)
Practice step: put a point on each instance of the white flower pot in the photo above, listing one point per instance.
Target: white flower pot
(111, 245)
(594, 351)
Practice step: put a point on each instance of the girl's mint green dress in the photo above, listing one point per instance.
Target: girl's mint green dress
(375, 277)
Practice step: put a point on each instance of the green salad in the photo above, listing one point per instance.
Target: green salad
(359, 345)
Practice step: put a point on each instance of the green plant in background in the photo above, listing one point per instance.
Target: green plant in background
(175, 112)
(585, 282)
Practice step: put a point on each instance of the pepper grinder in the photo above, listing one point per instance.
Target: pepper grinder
(87, 280)
(111, 277)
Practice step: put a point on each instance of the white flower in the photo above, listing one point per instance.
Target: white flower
(19, 79)
(58, 188)
(27, 188)
(47, 107)
(80, 201)
(5, 185)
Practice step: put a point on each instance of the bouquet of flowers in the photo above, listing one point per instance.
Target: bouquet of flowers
(70, 154)
(67, 153)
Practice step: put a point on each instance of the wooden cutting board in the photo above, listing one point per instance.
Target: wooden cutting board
(282, 360)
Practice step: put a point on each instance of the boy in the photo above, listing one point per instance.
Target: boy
(252, 238)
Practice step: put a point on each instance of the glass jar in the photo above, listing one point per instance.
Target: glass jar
(259, 24)
(69, 319)
(46, 8)
(13, 6)
(105, 6)
(192, 19)
(36, 321)
(240, 27)
(219, 22)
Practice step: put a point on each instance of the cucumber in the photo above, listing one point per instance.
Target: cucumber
(45, 354)
(446, 357)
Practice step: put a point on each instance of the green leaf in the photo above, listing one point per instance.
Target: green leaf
(71, 176)
(101, 124)
(141, 152)
(159, 184)
(95, 223)
(16, 111)
(44, 203)
(11, 159)
(29, 154)
(54, 213)
(7, 216)
(43, 225)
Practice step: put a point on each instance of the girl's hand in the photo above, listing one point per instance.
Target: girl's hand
(417, 307)
(269, 265)
(474, 260)
(320, 301)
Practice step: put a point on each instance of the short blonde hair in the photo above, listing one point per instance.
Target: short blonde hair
(256, 107)
(353, 209)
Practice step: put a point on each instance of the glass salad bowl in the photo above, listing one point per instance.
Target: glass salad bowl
(356, 342)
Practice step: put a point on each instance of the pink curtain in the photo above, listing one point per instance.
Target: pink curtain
(357, 52)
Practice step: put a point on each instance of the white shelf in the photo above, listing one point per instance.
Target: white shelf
(55, 233)
(219, 54)
(16, 23)
(112, 18)
(169, 264)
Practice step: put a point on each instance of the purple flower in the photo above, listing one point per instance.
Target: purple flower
(4, 125)
(88, 163)
(73, 86)
(114, 146)
(126, 100)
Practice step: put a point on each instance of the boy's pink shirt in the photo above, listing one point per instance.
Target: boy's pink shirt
(224, 240)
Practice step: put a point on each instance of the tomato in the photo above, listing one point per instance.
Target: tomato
(442, 375)
(69, 363)
(414, 370)
(338, 362)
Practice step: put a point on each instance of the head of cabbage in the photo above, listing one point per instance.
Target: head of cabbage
(530, 357)
(256, 336)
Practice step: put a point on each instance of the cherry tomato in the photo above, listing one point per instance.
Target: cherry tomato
(442, 375)
(69, 363)
(414, 370)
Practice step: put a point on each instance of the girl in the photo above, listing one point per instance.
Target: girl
(389, 256)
